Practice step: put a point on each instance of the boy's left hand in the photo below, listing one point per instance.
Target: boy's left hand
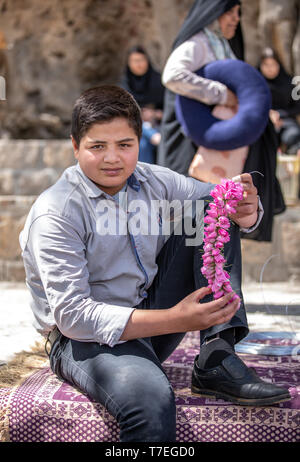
(247, 209)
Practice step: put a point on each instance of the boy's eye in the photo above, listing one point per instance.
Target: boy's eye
(97, 146)
(125, 145)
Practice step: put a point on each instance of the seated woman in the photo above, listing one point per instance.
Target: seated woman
(285, 108)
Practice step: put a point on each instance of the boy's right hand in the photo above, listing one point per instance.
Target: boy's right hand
(192, 315)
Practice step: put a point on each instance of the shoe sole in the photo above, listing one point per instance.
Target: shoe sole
(234, 399)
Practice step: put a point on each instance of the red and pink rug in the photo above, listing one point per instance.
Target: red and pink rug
(44, 409)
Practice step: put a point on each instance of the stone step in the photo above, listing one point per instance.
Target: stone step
(26, 182)
(13, 213)
(28, 167)
(39, 154)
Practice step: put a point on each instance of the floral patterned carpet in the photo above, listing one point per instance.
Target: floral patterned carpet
(44, 409)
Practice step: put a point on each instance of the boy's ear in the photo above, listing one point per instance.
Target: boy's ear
(75, 147)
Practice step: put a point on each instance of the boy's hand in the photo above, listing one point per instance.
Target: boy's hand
(188, 315)
(247, 209)
(192, 315)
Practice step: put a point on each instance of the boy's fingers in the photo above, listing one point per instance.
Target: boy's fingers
(243, 178)
(225, 314)
(201, 293)
(220, 303)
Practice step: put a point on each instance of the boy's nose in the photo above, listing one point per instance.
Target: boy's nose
(111, 155)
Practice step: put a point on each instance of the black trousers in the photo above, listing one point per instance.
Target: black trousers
(179, 274)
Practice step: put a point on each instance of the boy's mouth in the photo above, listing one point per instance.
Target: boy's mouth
(111, 171)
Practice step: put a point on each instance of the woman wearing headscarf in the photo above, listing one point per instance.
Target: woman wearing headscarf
(144, 83)
(212, 32)
(203, 38)
(142, 80)
(285, 109)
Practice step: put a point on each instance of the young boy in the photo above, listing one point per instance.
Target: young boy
(114, 302)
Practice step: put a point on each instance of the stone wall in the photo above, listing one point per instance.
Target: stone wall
(13, 212)
(58, 48)
(27, 168)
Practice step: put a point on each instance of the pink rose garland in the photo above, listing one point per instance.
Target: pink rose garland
(226, 197)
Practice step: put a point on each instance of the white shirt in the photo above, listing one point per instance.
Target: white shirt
(179, 73)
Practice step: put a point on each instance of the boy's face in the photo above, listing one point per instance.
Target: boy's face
(108, 154)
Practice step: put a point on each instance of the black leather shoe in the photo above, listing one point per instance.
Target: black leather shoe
(233, 381)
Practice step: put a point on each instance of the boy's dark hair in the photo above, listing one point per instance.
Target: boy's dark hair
(103, 104)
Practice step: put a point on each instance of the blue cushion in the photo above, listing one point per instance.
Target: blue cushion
(242, 129)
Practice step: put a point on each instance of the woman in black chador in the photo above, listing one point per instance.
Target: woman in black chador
(212, 32)
(142, 80)
(285, 108)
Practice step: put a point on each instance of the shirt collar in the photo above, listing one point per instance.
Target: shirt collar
(94, 191)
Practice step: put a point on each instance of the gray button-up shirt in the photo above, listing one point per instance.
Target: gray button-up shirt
(87, 268)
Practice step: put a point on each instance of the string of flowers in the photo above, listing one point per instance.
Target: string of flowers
(226, 196)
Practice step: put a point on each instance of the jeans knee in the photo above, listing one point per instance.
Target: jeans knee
(149, 413)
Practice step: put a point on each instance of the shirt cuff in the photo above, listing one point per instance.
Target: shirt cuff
(223, 94)
(113, 321)
(260, 213)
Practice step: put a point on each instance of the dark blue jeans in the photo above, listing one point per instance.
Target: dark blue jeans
(129, 379)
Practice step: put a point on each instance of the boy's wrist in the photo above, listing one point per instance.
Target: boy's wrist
(148, 323)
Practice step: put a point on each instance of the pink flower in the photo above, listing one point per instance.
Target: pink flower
(222, 232)
(218, 294)
(212, 213)
(218, 245)
(223, 239)
(211, 227)
(219, 259)
(227, 287)
(207, 261)
(230, 209)
(224, 222)
(226, 197)
(209, 220)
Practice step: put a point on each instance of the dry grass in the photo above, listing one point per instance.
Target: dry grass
(15, 372)
(22, 365)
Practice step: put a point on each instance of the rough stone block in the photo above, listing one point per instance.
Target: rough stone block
(13, 213)
(10, 229)
(58, 154)
(33, 182)
(20, 154)
(7, 181)
(12, 271)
